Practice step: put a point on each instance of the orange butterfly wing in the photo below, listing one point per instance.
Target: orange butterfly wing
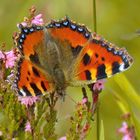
(100, 60)
(96, 58)
(30, 80)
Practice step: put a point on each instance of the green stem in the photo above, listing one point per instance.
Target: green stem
(98, 121)
(94, 16)
(97, 106)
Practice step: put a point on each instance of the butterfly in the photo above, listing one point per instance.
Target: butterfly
(64, 53)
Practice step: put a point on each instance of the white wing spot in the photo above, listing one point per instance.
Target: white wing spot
(23, 93)
(121, 68)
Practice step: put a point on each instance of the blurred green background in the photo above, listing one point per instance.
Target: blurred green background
(117, 21)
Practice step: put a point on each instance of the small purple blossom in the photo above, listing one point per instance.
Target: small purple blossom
(99, 85)
(37, 20)
(10, 59)
(63, 138)
(127, 137)
(28, 127)
(128, 132)
(84, 100)
(28, 100)
(124, 128)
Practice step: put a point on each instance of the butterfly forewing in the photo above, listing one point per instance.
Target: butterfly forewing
(100, 60)
(32, 81)
(95, 58)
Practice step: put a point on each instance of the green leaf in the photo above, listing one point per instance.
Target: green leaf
(102, 136)
(128, 90)
(129, 101)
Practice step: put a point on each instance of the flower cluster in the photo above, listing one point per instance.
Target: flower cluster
(8, 58)
(28, 127)
(127, 131)
(36, 20)
(28, 101)
(99, 85)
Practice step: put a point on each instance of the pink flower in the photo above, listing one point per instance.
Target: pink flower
(99, 85)
(128, 132)
(28, 127)
(84, 100)
(37, 20)
(28, 100)
(127, 137)
(124, 128)
(63, 138)
(10, 58)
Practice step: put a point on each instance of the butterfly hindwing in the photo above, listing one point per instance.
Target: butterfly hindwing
(31, 81)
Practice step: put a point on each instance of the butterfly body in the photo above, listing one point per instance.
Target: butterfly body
(64, 54)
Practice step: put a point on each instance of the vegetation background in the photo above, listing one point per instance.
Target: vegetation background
(117, 21)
